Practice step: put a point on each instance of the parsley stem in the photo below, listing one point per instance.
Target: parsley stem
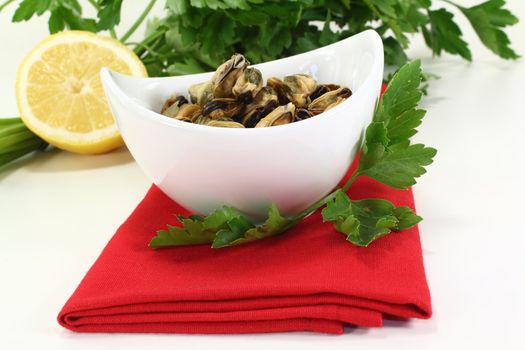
(152, 51)
(5, 4)
(350, 181)
(320, 203)
(139, 21)
(451, 3)
(141, 47)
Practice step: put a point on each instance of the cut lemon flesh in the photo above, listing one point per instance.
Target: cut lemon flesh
(59, 93)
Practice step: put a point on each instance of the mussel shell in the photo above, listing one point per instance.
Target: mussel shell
(329, 100)
(302, 114)
(223, 108)
(245, 98)
(227, 74)
(172, 105)
(323, 89)
(279, 116)
(264, 99)
(318, 92)
(189, 112)
(332, 87)
(201, 93)
(251, 119)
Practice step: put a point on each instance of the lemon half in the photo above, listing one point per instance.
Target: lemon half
(59, 93)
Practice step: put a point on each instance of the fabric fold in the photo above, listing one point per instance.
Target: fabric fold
(308, 279)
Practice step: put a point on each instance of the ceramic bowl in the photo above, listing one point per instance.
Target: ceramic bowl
(293, 165)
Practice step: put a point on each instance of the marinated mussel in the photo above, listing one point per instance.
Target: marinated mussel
(329, 100)
(236, 97)
(172, 105)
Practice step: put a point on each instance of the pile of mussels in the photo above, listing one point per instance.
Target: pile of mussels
(236, 98)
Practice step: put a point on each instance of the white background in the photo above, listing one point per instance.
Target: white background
(58, 210)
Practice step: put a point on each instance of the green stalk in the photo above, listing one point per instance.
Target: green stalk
(8, 121)
(150, 50)
(350, 181)
(5, 4)
(8, 142)
(29, 142)
(323, 201)
(139, 21)
(16, 140)
(10, 129)
(140, 48)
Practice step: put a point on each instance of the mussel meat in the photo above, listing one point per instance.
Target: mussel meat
(248, 84)
(261, 101)
(279, 116)
(250, 120)
(223, 108)
(284, 94)
(302, 114)
(189, 112)
(227, 74)
(224, 123)
(172, 105)
(329, 100)
(235, 97)
(301, 86)
(201, 93)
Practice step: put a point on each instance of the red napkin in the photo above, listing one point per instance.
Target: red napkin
(308, 279)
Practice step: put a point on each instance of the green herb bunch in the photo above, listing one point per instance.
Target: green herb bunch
(197, 35)
(387, 156)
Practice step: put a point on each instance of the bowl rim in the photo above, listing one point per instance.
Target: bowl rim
(109, 83)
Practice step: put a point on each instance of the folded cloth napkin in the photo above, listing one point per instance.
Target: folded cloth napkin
(307, 279)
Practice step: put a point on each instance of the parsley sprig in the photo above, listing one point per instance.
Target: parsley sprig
(197, 35)
(387, 156)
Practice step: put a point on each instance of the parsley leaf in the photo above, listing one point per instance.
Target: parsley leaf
(264, 30)
(387, 155)
(487, 19)
(397, 166)
(195, 229)
(27, 8)
(72, 19)
(224, 227)
(445, 35)
(243, 232)
(109, 14)
(364, 221)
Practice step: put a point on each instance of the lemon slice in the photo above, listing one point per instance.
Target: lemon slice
(59, 93)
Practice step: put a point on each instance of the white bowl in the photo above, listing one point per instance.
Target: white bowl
(294, 165)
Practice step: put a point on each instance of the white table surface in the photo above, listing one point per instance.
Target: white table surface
(58, 210)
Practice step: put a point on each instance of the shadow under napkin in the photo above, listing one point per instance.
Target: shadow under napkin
(308, 279)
